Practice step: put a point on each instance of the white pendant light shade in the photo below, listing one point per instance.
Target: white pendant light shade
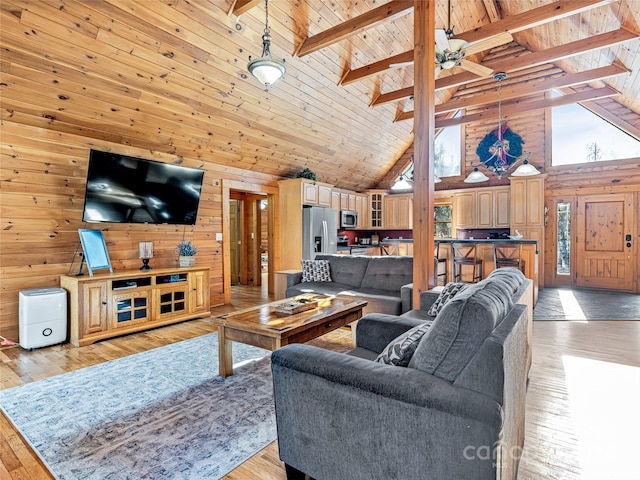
(476, 177)
(402, 184)
(266, 70)
(525, 170)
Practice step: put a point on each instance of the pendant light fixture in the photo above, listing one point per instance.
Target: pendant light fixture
(498, 155)
(405, 180)
(267, 70)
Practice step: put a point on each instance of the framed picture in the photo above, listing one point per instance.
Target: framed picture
(95, 250)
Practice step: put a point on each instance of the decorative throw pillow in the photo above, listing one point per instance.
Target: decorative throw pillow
(449, 291)
(316, 271)
(400, 349)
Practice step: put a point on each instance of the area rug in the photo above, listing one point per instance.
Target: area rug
(589, 305)
(160, 414)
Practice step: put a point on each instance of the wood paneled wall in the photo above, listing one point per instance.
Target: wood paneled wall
(43, 177)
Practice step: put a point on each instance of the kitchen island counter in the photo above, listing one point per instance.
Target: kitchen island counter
(485, 252)
(490, 241)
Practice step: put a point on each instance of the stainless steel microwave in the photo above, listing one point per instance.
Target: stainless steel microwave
(348, 219)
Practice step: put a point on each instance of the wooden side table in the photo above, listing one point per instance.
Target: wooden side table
(280, 282)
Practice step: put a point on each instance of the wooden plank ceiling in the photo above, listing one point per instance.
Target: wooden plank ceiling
(170, 75)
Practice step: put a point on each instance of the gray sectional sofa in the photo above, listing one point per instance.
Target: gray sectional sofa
(377, 279)
(455, 411)
(523, 294)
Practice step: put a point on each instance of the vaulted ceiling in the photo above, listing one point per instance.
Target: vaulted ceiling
(170, 75)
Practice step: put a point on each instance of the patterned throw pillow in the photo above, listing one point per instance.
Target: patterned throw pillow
(401, 349)
(449, 291)
(316, 271)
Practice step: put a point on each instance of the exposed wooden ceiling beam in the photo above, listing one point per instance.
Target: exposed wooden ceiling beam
(541, 57)
(520, 107)
(512, 24)
(521, 62)
(354, 25)
(532, 87)
(532, 18)
(492, 10)
(243, 6)
(391, 96)
(376, 67)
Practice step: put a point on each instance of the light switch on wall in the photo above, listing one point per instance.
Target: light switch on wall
(218, 237)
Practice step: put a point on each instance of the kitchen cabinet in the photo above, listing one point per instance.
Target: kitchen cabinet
(314, 193)
(324, 195)
(501, 207)
(398, 211)
(527, 212)
(335, 203)
(362, 207)
(336, 194)
(347, 200)
(464, 209)
(112, 304)
(294, 194)
(481, 208)
(484, 209)
(527, 201)
(358, 202)
(376, 209)
(405, 249)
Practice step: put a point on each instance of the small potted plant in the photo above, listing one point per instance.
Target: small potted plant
(186, 252)
(308, 174)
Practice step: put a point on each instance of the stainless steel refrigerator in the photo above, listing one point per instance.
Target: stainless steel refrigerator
(319, 231)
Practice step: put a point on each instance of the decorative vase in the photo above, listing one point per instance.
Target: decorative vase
(187, 261)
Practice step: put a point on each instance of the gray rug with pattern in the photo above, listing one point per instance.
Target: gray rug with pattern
(160, 414)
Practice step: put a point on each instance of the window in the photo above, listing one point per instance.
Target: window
(563, 214)
(579, 136)
(447, 151)
(442, 221)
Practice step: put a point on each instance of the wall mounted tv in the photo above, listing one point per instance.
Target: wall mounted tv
(123, 189)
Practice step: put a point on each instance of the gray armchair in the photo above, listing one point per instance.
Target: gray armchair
(457, 410)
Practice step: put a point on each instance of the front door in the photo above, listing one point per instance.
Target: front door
(603, 241)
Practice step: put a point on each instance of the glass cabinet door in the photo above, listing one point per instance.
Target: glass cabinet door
(130, 308)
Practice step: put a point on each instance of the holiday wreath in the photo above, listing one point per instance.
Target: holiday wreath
(512, 146)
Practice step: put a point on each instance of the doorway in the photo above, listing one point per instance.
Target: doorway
(235, 241)
(249, 223)
(592, 244)
(248, 238)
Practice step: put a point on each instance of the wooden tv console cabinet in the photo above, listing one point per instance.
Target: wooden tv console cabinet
(108, 305)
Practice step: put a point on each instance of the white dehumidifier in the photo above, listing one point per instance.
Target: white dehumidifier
(43, 317)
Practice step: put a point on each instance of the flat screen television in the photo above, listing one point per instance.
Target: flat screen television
(123, 189)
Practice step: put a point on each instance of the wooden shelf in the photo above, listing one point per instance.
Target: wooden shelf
(108, 305)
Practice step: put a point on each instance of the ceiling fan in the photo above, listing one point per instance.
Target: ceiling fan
(451, 52)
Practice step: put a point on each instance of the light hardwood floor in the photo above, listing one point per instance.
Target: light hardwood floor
(582, 417)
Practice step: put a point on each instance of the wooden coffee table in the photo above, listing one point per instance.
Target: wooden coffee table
(265, 328)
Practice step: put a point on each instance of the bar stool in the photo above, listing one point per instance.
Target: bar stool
(466, 254)
(441, 273)
(508, 255)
